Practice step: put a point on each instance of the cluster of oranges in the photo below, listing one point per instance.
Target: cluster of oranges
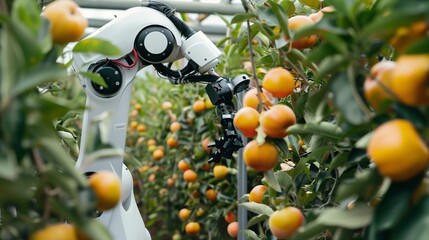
(396, 147)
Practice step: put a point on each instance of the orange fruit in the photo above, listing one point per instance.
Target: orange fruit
(398, 151)
(138, 106)
(376, 83)
(276, 120)
(407, 35)
(200, 212)
(247, 120)
(220, 171)
(211, 195)
(151, 178)
(67, 22)
(184, 214)
(134, 124)
(189, 175)
(172, 142)
(410, 79)
(208, 103)
(279, 82)
(192, 228)
(260, 157)
(141, 128)
(158, 154)
(58, 231)
(107, 188)
(183, 165)
(297, 22)
(232, 229)
(170, 182)
(205, 144)
(285, 222)
(205, 166)
(230, 217)
(151, 142)
(199, 106)
(250, 98)
(257, 193)
(175, 126)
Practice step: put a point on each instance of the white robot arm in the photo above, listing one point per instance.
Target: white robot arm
(147, 35)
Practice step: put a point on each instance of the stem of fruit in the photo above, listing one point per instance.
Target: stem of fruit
(252, 61)
(297, 70)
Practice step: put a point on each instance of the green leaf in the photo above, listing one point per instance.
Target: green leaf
(284, 180)
(325, 129)
(365, 183)
(95, 229)
(315, 4)
(357, 217)
(288, 6)
(310, 230)
(271, 180)
(257, 208)
(282, 17)
(95, 78)
(30, 80)
(241, 17)
(96, 45)
(415, 224)
(257, 219)
(338, 160)
(395, 203)
(250, 234)
(330, 65)
(345, 100)
(266, 15)
(8, 166)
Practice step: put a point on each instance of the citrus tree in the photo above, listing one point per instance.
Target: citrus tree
(341, 143)
(43, 195)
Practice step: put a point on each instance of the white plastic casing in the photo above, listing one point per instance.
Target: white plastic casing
(202, 51)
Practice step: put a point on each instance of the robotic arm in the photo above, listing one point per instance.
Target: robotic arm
(148, 35)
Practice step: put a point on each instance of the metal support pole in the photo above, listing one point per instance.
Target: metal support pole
(242, 184)
(180, 6)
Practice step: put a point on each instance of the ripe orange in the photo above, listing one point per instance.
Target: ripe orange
(183, 165)
(151, 178)
(260, 157)
(220, 171)
(232, 229)
(410, 79)
(192, 228)
(284, 223)
(205, 166)
(158, 154)
(250, 98)
(257, 193)
(151, 142)
(247, 120)
(211, 195)
(184, 214)
(170, 182)
(398, 151)
(138, 106)
(189, 175)
(172, 142)
(58, 231)
(199, 106)
(107, 188)
(376, 83)
(297, 22)
(405, 36)
(279, 82)
(276, 120)
(230, 217)
(175, 126)
(205, 144)
(134, 124)
(141, 128)
(67, 22)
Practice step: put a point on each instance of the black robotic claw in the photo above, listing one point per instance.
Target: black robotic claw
(221, 93)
